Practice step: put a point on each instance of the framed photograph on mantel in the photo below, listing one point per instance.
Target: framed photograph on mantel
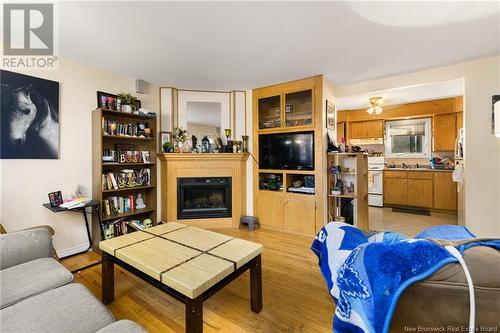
(164, 138)
(330, 115)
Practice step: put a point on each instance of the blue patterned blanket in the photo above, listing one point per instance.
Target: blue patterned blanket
(366, 275)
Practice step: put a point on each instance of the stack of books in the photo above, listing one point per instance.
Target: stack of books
(125, 178)
(118, 205)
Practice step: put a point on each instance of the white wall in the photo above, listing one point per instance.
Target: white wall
(25, 183)
(482, 149)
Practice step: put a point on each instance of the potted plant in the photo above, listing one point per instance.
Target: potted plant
(180, 136)
(128, 102)
(168, 147)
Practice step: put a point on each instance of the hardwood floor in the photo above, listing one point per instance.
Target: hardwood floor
(409, 225)
(295, 295)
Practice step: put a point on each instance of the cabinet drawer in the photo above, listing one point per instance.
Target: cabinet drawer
(420, 174)
(395, 174)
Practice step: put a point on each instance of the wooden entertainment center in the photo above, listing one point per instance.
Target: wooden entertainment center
(292, 107)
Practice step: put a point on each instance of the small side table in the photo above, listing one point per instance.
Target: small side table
(95, 209)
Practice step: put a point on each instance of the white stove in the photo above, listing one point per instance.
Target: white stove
(376, 181)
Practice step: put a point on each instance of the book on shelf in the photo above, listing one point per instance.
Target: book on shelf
(120, 205)
(112, 127)
(126, 178)
(126, 156)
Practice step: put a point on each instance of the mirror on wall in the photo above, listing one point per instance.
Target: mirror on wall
(203, 119)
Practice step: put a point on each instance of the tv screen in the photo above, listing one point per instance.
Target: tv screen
(293, 151)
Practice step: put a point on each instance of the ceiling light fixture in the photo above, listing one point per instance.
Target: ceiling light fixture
(375, 106)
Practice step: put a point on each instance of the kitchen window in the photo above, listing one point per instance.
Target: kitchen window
(408, 138)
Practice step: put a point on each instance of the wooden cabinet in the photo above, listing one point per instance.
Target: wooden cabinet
(422, 189)
(290, 107)
(460, 120)
(366, 129)
(445, 191)
(270, 208)
(420, 193)
(444, 130)
(395, 191)
(341, 131)
(298, 212)
(280, 109)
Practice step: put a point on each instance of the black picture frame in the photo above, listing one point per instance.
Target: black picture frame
(330, 116)
(30, 130)
(102, 94)
(100, 103)
(55, 199)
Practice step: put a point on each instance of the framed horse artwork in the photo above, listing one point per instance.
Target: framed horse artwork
(30, 117)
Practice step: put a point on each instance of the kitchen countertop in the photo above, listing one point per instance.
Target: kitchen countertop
(419, 169)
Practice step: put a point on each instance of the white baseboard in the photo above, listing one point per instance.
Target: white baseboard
(72, 250)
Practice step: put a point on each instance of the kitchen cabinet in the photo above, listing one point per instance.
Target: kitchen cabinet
(408, 188)
(395, 191)
(420, 192)
(270, 208)
(298, 214)
(445, 191)
(444, 130)
(422, 189)
(460, 120)
(366, 129)
(341, 131)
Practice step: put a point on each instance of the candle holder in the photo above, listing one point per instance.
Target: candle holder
(244, 146)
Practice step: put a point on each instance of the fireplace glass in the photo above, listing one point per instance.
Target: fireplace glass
(203, 197)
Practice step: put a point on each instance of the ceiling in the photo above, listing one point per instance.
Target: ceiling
(403, 95)
(241, 45)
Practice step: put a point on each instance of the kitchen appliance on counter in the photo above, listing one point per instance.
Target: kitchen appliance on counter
(376, 181)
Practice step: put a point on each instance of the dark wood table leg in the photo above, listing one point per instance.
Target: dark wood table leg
(108, 278)
(194, 315)
(256, 284)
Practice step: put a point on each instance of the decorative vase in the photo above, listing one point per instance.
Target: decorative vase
(244, 146)
(126, 108)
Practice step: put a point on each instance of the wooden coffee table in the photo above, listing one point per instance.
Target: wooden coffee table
(188, 263)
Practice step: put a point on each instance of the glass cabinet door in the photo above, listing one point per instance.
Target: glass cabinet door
(298, 108)
(270, 112)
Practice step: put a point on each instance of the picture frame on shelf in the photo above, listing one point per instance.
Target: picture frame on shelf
(330, 115)
(146, 158)
(164, 138)
(106, 101)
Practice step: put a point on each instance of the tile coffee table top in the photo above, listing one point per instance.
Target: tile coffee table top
(185, 258)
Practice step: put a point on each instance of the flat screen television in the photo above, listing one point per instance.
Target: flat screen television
(291, 151)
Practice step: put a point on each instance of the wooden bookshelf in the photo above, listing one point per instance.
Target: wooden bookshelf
(358, 174)
(101, 142)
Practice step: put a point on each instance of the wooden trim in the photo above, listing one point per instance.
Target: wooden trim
(201, 157)
(409, 110)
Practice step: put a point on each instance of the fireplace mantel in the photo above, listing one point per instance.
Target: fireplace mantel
(181, 165)
(202, 157)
